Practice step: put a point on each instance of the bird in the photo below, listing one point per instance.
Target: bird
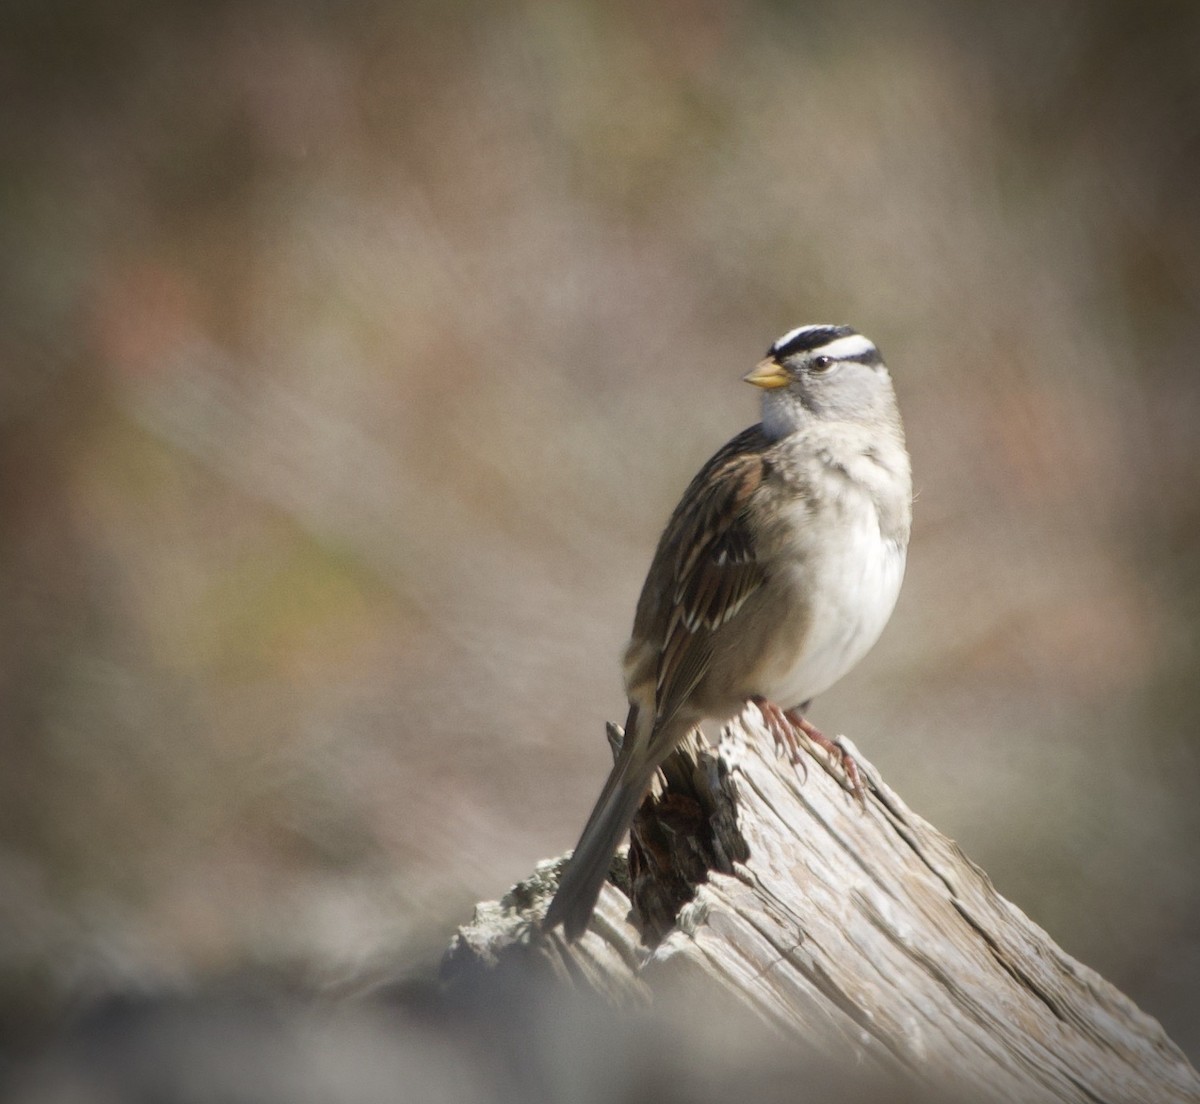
(774, 576)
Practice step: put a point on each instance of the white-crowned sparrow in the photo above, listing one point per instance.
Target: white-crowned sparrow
(774, 577)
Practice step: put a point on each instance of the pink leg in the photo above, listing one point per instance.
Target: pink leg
(836, 752)
(782, 730)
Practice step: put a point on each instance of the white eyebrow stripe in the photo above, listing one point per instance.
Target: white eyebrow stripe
(782, 341)
(845, 348)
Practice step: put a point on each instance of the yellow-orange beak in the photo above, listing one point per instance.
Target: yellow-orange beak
(767, 374)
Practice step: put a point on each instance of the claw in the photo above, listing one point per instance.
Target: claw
(783, 732)
(786, 725)
(835, 750)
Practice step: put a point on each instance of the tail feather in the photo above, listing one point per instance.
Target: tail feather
(584, 874)
(587, 868)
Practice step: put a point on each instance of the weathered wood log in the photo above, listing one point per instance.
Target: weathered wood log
(857, 928)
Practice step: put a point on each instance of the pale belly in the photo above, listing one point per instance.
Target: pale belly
(855, 589)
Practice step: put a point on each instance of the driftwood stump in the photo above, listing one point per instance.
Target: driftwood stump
(857, 930)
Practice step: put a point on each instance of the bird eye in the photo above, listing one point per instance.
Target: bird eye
(822, 363)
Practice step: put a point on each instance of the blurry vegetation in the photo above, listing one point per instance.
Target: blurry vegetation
(354, 354)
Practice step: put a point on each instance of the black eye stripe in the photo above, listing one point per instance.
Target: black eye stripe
(870, 357)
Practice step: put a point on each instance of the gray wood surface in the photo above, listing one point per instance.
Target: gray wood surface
(859, 929)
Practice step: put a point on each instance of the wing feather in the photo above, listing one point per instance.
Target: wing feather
(704, 570)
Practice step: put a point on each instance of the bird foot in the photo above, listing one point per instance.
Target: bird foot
(786, 725)
(836, 752)
(782, 730)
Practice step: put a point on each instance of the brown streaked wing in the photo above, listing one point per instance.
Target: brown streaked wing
(714, 569)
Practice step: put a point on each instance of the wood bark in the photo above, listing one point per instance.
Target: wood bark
(855, 927)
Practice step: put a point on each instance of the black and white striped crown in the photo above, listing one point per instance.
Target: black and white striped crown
(836, 342)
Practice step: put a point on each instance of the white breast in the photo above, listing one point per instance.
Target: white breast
(853, 587)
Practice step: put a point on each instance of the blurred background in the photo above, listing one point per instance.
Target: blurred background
(354, 355)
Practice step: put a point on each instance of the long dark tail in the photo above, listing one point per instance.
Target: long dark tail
(587, 868)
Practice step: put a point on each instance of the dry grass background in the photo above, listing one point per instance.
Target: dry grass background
(354, 355)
